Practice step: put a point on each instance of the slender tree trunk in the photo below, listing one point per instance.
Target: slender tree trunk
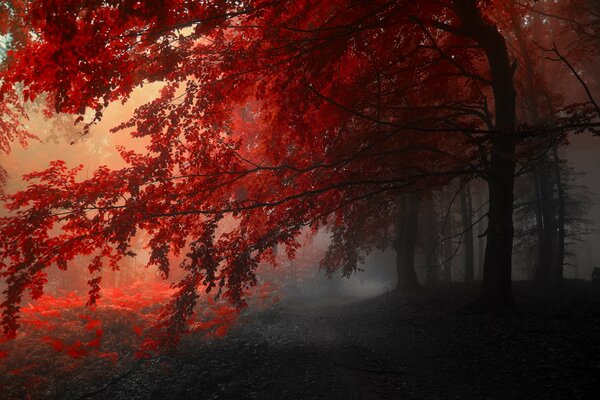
(429, 235)
(406, 239)
(560, 220)
(466, 210)
(539, 227)
(446, 248)
(547, 259)
(481, 235)
(447, 255)
(496, 289)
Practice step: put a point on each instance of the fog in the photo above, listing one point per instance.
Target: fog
(60, 138)
(325, 207)
(583, 154)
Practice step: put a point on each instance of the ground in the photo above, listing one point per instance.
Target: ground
(418, 345)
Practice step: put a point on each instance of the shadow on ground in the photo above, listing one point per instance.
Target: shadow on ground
(411, 346)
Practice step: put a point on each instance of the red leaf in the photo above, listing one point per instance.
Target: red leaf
(55, 343)
(76, 351)
(93, 324)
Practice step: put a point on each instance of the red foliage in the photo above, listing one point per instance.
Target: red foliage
(273, 117)
(59, 333)
(55, 343)
(76, 351)
(242, 153)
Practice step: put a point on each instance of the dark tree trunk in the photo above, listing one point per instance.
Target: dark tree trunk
(429, 238)
(496, 290)
(560, 220)
(447, 256)
(481, 235)
(406, 239)
(546, 259)
(447, 232)
(539, 226)
(466, 211)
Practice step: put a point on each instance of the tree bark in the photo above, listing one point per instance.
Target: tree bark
(447, 233)
(429, 237)
(496, 289)
(481, 235)
(547, 253)
(539, 227)
(447, 253)
(466, 210)
(406, 239)
(560, 220)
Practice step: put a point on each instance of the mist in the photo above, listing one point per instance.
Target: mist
(302, 200)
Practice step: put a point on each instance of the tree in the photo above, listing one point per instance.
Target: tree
(428, 238)
(405, 243)
(539, 104)
(466, 212)
(273, 116)
(534, 111)
(576, 204)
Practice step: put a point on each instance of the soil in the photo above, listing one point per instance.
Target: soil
(418, 345)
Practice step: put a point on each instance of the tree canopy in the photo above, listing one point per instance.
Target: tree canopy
(273, 116)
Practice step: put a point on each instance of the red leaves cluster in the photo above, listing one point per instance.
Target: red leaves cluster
(273, 117)
(60, 337)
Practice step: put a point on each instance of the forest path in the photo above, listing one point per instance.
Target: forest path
(391, 347)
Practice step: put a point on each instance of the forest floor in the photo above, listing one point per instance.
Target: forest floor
(411, 346)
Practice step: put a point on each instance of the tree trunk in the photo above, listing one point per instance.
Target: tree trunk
(560, 220)
(466, 210)
(447, 232)
(447, 255)
(429, 238)
(496, 290)
(481, 235)
(547, 254)
(406, 239)
(539, 227)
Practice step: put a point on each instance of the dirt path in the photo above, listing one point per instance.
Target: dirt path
(391, 347)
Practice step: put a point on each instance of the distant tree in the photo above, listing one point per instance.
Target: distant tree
(539, 104)
(428, 237)
(575, 203)
(466, 214)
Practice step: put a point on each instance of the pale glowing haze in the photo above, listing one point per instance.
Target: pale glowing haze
(66, 142)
